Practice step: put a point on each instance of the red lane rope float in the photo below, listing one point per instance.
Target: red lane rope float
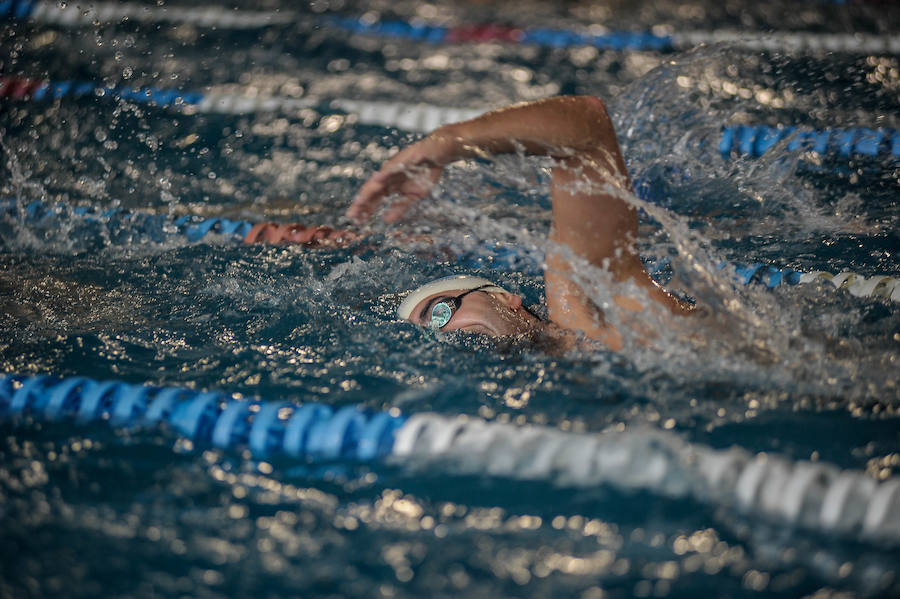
(19, 88)
(484, 33)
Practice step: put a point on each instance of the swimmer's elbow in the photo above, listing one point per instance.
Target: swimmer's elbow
(593, 104)
(594, 123)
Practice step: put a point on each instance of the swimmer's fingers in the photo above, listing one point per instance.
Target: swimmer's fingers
(399, 208)
(393, 178)
(416, 187)
(410, 183)
(368, 197)
(411, 173)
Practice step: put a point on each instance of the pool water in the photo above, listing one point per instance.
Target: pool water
(799, 372)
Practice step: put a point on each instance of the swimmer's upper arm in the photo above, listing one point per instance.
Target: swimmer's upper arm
(593, 220)
(590, 214)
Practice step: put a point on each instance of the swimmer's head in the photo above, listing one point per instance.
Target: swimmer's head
(467, 303)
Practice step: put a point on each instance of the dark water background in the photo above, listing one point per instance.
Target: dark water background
(803, 372)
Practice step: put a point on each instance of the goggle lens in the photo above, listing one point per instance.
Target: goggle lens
(440, 315)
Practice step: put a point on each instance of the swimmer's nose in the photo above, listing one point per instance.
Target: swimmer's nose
(512, 301)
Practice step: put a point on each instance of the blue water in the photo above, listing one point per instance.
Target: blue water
(801, 372)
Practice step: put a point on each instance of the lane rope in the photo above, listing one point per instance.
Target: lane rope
(625, 40)
(213, 418)
(73, 15)
(756, 140)
(155, 226)
(744, 140)
(812, 495)
(406, 116)
(483, 254)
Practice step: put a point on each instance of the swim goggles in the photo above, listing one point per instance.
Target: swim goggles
(443, 311)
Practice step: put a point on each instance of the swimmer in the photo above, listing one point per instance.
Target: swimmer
(590, 220)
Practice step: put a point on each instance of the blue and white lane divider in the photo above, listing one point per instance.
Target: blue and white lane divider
(811, 495)
(881, 286)
(406, 116)
(74, 15)
(744, 140)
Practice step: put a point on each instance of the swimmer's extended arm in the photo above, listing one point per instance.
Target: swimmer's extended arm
(590, 216)
(562, 127)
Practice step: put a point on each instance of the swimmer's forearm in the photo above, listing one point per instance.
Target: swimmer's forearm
(564, 127)
(556, 126)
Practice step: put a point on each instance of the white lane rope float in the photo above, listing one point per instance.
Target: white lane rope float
(414, 117)
(812, 495)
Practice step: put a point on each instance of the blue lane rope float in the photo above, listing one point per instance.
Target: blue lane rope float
(484, 254)
(748, 140)
(881, 286)
(156, 226)
(210, 417)
(813, 495)
(756, 140)
(73, 15)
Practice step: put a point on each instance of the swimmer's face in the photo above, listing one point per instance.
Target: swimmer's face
(494, 313)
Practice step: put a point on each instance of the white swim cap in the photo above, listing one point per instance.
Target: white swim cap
(445, 284)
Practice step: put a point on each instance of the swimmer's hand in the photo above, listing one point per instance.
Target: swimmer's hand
(560, 127)
(313, 237)
(411, 174)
